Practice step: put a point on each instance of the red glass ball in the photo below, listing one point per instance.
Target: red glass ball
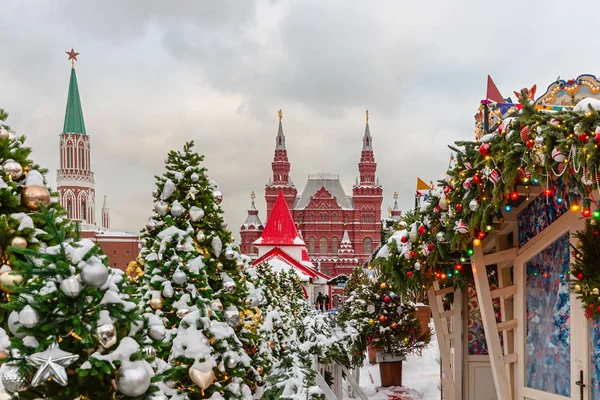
(386, 299)
(580, 276)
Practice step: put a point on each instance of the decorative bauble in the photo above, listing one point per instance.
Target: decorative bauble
(217, 245)
(577, 288)
(386, 299)
(484, 149)
(200, 236)
(182, 312)
(13, 169)
(18, 242)
(406, 340)
(443, 203)
(467, 184)
(150, 351)
(474, 205)
(394, 325)
(422, 230)
(179, 277)
(248, 302)
(224, 225)
(218, 196)
(203, 379)
(33, 196)
(558, 155)
(161, 207)
(525, 134)
(259, 369)
(176, 209)
(219, 265)
(382, 318)
(595, 291)
(14, 325)
(12, 380)
(196, 213)
(133, 379)
(459, 207)
(168, 189)
(271, 344)
(232, 362)
(195, 177)
(8, 281)
(580, 276)
(216, 305)
(461, 227)
(417, 266)
(4, 133)
(157, 332)
(29, 317)
(70, 286)
(404, 239)
(409, 274)
(156, 303)
(477, 179)
(156, 193)
(229, 286)
(106, 335)
(94, 274)
(383, 286)
(232, 318)
(441, 237)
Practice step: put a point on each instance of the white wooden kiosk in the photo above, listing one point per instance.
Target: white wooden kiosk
(518, 332)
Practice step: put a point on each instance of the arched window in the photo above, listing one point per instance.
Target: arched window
(70, 209)
(311, 245)
(367, 245)
(83, 211)
(334, 245)
(69, 157)
(323, 246)
(80, 158)
(346, 218)
(312, 217)
(334, 217)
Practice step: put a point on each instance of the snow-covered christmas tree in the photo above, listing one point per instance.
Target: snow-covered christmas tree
(193, 291)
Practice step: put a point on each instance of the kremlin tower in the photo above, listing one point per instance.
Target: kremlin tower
(76, 186)
(251, 230)
(340, 231)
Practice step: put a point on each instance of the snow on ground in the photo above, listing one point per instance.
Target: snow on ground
(420, 377)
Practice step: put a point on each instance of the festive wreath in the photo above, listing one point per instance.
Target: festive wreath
(586, 268)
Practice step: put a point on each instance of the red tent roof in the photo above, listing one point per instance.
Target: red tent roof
(285, 257)
(280, 229)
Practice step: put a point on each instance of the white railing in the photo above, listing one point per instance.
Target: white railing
(339, 375)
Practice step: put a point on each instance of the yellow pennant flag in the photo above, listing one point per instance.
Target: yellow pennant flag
(422, 185)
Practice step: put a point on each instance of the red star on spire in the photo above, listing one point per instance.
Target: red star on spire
(72, 54)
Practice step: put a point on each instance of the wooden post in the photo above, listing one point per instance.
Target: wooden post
(441, 330)
(490, 327)
(457, 367)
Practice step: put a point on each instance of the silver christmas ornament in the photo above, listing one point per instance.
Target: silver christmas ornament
(106, 335)
(200, 236)
(161, 207)
(51, 364)
(474, 205)
(4, 134)
(157, 332)
(151, 224)
(224, 225)
(71, 287)
(232, 317)
(192, 193)
(195, 177)
(94, 275)
(29, 317)
(156, 193)
(133, 379)
(196, 213)
(182, 312)
(168, 189)
(150, 351)
(218, 196)
(179, 277)
(168, 291)
(12, 381)
(217, 245)
(14, 325)
(216, 305)
(229, 286)
(12, 168)
(176, 209)
(441, 237)
(232, 362)
(417, 266)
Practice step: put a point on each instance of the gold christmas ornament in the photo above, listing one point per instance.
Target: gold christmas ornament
(259, 369)
(8, 280)
(383, 286)
(156, 303)
(18, 242)
(595, 291)
(33, 196)
(271, 344)
(576, 287)
(201, 378)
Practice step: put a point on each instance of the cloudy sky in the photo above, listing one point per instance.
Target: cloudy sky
(153, 74)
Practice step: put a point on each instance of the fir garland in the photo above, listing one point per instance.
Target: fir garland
(586, 268)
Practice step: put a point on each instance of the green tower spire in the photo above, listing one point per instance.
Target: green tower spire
(74, 114)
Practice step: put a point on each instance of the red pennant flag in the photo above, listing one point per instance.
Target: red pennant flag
(492, 91)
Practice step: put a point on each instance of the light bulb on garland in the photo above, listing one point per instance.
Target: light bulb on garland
(470, 251)
(575, 206)
(586, 211)
(596, 214)
(514, 196)
(508, 208)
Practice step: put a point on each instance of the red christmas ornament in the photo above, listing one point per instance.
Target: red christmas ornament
(580, 276)
(525, 134)
(530, 144)
(409, 274)
(459, 207)
(584, 137)
(597, 138)
(546, 275)
(476, 179)
(404, 239)
(386, 299)
(394, 325)
(484, 149)
(431, 246)
(413, 254)
(422, 230)
(598, 308)
(382, 318)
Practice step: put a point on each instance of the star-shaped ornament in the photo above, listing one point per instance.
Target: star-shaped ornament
(51, 364)
(192, 193)
(72, 54)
